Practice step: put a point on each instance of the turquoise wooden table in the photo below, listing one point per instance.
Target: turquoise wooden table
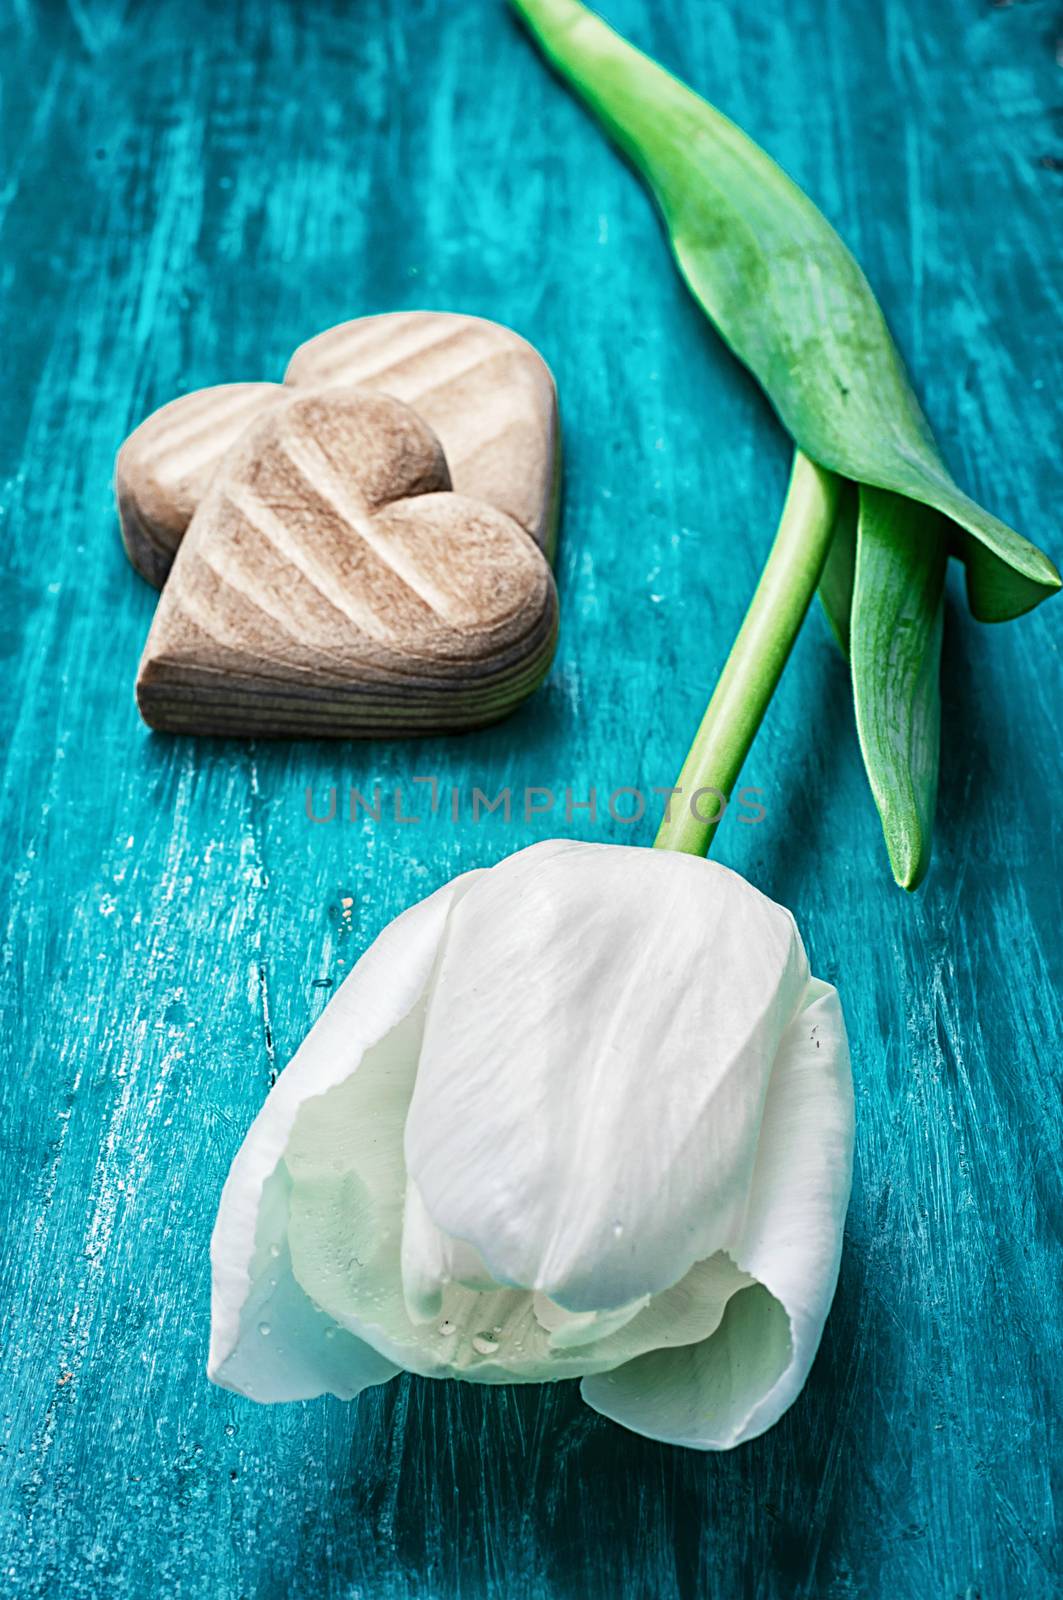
(189, 190)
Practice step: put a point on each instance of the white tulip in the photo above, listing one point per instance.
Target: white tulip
(581, 1114)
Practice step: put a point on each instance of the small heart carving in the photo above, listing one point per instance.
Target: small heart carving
(331, 583)
(486, 392)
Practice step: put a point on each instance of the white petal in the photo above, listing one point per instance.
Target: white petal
(291, 1350)
(598, 1045)
(346, 1233)
(431, 1260)
(736, 1383)
(334, 1207)
(422, 1261)
(688, 1312)
(569, 1330)
(361, 1031)
(701, 1394)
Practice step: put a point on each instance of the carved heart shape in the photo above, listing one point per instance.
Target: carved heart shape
(331, 583)
(486, 392)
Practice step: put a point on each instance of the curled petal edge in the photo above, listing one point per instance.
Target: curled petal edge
(382, 989)
(735, 1385)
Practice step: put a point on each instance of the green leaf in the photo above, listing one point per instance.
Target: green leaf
(839, 570)
(785, 294)
(898, 605)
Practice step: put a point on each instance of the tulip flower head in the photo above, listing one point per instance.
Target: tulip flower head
(583, 1114)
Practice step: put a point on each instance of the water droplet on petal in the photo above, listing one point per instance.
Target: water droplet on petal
(330, 1333)
(446, 1327)
(264, 1329)
(274, 1250)
(484, 1345)
(618, 1230)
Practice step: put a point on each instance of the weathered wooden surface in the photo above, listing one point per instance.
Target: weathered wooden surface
(189, 191)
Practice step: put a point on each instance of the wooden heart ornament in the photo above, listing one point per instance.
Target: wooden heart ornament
(485, 391)
(331, 583)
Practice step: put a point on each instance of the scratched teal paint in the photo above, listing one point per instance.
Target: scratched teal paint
(189, 190)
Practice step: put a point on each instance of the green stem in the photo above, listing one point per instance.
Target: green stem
(757, 659)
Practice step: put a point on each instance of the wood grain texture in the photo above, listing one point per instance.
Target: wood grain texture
(331, 583)
(484, 390)
(486, 393)
(164, 468)
(176, 210)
